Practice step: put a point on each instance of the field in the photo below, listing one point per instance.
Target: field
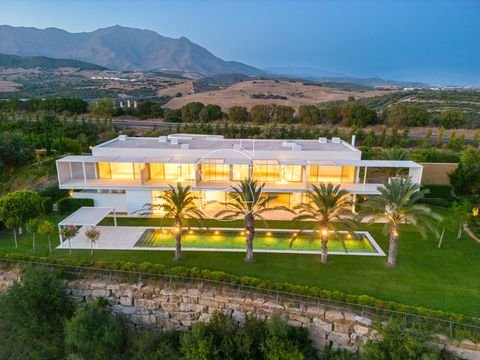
(444, 279)
(296, 94)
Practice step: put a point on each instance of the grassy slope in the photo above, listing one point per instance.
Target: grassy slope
(443, 279)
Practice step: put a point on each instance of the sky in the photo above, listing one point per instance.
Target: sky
(434, 41)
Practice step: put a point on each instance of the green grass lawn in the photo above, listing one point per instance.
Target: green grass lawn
(443, 279)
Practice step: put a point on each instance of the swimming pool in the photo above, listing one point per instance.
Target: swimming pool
(275, 240)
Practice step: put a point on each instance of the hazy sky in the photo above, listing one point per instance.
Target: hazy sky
(436, 41)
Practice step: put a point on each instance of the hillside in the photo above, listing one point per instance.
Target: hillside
(119, 48)
(29, 62)
(252, 92)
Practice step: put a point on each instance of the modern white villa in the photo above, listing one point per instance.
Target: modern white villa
(128, 172)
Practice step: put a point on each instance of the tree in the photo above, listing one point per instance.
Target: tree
(210, 112)
(20, 205)
(68, 232)
(12, 224)
(191, 111)
(461, 212)
(92, 234)
(238, 114)
(14, 148)
(177, 203)
(465, 179)
(399, 342)
(32, 315)
(451, 119)
(248, 201)
(398, 204)
(47, 228)
(395, 154)
(32, 227)
(329, 207)
(93, 333)
(262, 113)
(103, 108)
(309, 114)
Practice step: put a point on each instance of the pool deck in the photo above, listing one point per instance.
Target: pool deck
(125, 238)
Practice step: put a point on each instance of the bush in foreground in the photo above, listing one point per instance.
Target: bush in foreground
(32, 315)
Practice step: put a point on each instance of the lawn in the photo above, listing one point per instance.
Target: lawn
(443, 279)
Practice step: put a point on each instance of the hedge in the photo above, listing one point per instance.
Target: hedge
(438, 191)
(196, 273)
(69, 205)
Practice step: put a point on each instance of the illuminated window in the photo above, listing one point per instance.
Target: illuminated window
(104, 170)
(157, 203)
(157, 171)
(178, 172)
(348, 174)
(266, 171)
(326, 174)
(292, 173)
(118, 170)
(215, 170)
(240, 172)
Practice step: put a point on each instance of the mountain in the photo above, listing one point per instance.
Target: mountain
(27, 62)
(119, 48)
(324, 76)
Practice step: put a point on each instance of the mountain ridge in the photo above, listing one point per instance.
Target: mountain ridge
(119, 48)
(28, 62)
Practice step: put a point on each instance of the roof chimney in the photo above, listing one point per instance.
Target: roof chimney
(354, 138)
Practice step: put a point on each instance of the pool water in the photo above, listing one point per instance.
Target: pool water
(264, 240)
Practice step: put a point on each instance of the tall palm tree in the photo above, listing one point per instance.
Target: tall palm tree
(397, 204)
(177, 203)
(394, 154)
(329, 207)
(248, 201)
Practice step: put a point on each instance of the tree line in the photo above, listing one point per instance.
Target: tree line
(346, 114)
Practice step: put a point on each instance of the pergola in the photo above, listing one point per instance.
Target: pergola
(86, 216)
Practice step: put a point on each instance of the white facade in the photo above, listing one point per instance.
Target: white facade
(127, 172)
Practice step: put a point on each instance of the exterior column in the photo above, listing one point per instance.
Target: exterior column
(114, 217)
(60, 234)
(365, 178)
(84, 173)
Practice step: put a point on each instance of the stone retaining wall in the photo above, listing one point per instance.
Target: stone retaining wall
(166, 306)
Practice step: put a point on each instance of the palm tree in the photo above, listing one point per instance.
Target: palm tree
(248, 201)
(329, 206)
(398, 203)
(177, 203)
(394, 154)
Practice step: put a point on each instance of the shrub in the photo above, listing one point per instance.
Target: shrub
(438, 191)
(69, 205)
(47, 205)
(32, 314)
(93, 333)
(397, 339)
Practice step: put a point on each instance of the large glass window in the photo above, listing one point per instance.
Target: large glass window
(291, 173)
(326, 174)
(167, 171)
(215, 170)
(119, 170)
(266, 171)
(240, 172)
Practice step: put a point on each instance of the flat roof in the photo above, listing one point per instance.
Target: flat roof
(86, 216)
(195, 141)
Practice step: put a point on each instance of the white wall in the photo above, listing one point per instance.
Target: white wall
(136, 199)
